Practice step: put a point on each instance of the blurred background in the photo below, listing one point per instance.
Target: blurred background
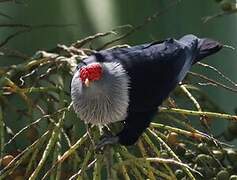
(87, 17)
(28, 26)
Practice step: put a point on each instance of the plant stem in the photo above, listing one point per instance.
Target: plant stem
(198, 113)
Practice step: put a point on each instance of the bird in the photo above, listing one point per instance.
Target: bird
(128, 84)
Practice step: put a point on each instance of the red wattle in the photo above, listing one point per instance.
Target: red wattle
(91, 72)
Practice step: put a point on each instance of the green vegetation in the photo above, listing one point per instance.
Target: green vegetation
(42, 138)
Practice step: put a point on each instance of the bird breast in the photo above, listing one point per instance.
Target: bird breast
(104, 101)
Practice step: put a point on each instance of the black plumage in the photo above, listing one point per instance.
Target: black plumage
(154, 70)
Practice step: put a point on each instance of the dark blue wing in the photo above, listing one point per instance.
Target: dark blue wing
(154, 69)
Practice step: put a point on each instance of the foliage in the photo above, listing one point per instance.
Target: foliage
(46, 139)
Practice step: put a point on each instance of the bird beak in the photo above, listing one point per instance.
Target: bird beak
(87, 82)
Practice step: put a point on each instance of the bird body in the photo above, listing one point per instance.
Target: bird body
(130, 83)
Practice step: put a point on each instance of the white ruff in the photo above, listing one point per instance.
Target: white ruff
(104, 101)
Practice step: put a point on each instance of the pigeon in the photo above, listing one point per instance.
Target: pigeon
(129, 84)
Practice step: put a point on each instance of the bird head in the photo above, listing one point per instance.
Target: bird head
(99, 92)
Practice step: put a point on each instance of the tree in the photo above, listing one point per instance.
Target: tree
(41, 136)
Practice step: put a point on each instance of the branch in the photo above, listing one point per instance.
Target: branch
(198, 113)
(213, 82)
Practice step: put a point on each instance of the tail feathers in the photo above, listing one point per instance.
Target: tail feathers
(207, 47)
